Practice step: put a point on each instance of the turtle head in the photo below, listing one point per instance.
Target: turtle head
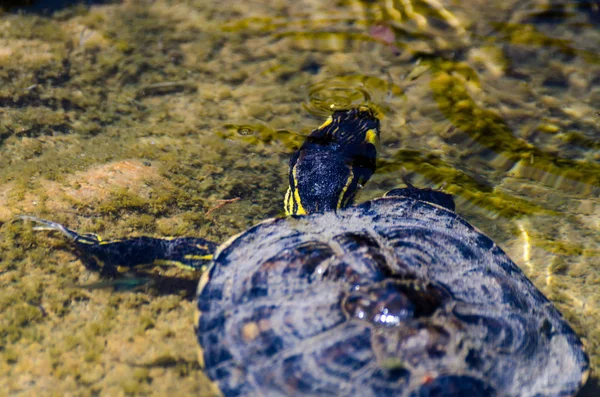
(334, 163)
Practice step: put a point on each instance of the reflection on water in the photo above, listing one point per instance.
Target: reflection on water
(495, 102)
(344, 92)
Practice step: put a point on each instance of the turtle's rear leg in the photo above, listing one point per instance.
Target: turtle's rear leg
(437, 197)
(111, 256)
(430, 195)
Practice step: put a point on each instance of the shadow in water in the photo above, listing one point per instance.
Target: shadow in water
(159, 284)
(47, 6)
(591, 389)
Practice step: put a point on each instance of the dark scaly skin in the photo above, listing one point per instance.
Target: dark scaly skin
(333, 163)
(108, 256)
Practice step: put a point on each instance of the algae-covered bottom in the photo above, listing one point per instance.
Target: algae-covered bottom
(178, 119)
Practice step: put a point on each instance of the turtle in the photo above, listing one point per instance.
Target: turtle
(396, 296)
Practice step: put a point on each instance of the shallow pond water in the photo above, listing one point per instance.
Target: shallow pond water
(177, 118)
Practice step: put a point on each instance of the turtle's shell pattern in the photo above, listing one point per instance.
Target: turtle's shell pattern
(392, 297)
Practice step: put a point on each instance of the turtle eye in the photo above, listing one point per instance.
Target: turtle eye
(352, 127)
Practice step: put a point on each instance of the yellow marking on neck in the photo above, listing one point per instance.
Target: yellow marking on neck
(326, 123)
(372, 137)
(99, 262)
(286, 201)
(106, 242)
(346, 186)
(295, 199)
(300, 210)
(359, 186)
(199, 257)
(164, 262)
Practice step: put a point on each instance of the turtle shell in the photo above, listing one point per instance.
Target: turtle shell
(392, 297)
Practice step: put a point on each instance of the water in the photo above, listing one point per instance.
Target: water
(140, 118)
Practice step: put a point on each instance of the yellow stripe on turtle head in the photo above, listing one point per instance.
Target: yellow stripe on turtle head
(326, 123)
(372, 137)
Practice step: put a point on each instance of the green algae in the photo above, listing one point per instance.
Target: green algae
(259, 134)
(489, 130)
(438, 172)
(529, 35)
(346, 91)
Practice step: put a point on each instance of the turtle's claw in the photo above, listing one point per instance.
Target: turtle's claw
(70, 234)
(49, 225)
(109, 256)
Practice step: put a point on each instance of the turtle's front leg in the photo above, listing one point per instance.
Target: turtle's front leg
(111, 256)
